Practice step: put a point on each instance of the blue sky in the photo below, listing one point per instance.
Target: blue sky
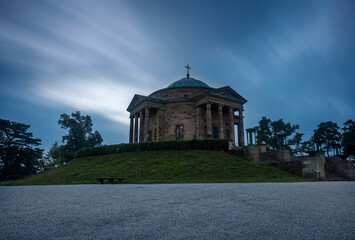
(290, 59)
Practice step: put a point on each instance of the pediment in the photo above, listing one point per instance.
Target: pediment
(229, 93)
(135, 100)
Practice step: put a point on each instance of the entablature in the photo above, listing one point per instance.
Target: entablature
(146, 104)
(224, 103)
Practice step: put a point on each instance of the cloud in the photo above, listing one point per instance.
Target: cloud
(84, 55)
(297, 36)
(97, 95)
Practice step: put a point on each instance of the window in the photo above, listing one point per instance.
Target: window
(150, 136)
(215, 132)
(179, 132)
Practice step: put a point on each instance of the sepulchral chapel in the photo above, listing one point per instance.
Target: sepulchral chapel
(187, 109)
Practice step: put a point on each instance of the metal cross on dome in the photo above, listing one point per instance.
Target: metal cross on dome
(188, 67)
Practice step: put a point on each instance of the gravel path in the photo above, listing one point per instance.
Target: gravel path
(324, 210)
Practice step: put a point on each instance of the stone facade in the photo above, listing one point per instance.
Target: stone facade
(187, 109)
(311, 163)
(336, 166)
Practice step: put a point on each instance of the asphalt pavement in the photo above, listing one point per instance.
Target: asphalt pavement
(318, 210)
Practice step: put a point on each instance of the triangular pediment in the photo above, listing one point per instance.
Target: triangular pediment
(229, 93)
(135, 100)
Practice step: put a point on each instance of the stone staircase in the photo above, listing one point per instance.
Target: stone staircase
(331, 173)
(267, 157)
(329, 176)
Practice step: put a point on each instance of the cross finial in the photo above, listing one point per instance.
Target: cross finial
(188, 74)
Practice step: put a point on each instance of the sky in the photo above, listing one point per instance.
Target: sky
(293, 60)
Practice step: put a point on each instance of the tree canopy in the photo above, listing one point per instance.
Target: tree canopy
(327, 137)
(79, 135)
(277, 134)
(348, 137)
(19, 152)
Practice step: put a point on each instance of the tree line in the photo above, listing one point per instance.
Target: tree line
(21, 156)
(328, 137)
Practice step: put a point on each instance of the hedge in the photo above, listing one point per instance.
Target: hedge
(204, 144)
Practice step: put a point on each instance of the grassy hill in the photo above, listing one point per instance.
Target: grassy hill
(195, 166)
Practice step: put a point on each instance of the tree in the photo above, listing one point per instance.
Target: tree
(306, 147)
(297, 143)
(276, 134)
(348, 137)
(55, 151)
(79, 136)
(282, 130)
(263, 132)
(19, 153)
(327, 137)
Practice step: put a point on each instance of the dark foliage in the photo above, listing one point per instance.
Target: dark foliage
(19, 153)
(327, 137)
(348, 138)
(79, 131)
(79, 135)
(205, 144)
(277, 134)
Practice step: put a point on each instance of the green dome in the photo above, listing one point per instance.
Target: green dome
(188, 82)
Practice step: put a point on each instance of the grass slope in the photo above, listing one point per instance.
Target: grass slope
(163, 167)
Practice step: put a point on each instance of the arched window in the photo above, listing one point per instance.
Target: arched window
(179, 132)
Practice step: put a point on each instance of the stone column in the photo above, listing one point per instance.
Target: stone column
(220, 122)
(208, 120)
(136, 127)
(197, 122)
(146, 125)
(141, 125)
(131, 129)
(241, 142)
(231, 128)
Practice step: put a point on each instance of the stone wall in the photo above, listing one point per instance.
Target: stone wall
(313, 163)
(300, 164)
(179, 114)
(277, 156)
(343, 168)
(254, 152)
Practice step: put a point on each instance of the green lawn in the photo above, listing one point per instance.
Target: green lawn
(195, 166)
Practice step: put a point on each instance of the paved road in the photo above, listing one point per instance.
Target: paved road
(324, 210)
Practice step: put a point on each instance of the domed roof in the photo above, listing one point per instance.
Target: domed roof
(188, 82)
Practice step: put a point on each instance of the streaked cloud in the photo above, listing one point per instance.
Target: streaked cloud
(96, 95)
(290, 59)
(90, 65)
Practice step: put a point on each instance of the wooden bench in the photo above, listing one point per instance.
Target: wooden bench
(110, 180)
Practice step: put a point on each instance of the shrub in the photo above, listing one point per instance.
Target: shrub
(203, 144)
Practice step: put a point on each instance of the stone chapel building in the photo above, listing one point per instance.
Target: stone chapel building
(187, 109)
